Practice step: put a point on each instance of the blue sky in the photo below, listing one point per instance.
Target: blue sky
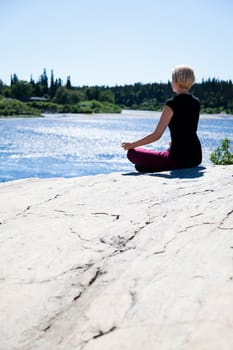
(110, 42)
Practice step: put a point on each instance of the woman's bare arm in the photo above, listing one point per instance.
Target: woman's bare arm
(164, 120)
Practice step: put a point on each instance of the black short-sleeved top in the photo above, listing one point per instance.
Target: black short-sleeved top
(185, 145)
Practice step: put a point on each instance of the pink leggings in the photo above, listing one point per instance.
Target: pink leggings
(151, 161)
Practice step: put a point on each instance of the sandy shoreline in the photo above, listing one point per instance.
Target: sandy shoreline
(118, 261)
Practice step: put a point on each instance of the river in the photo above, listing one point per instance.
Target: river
(76, 145)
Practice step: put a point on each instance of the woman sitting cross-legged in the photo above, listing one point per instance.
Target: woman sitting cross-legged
(181, 115)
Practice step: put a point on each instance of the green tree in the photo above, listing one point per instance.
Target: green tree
(21, 90)
(68, 83)
(14, 79)
(1, 87)
(106, 95)
(222, 155)
(43, 82)
(53, 88)
(67, 96)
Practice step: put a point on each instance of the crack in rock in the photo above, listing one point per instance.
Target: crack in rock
(24, 211)
(55, 197)
(53, 319)
(120, 242)
(195, 215)
(98, 335)
(96, 275)
(223, 221)
(159, 252)
(136, 232)
(46, 201)
(116, 216)
(64, 212)
(77, 296)
(83, 268)
(79, 236)
(102, 333)
(197, 192)
(195, 225)
(133, 295)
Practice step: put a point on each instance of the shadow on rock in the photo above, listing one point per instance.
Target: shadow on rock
(186, 173)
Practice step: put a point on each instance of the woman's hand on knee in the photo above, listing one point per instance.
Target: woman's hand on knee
(126, 146)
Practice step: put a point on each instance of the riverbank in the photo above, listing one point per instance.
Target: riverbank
(122, 113)
(13, 107)
(118, 261)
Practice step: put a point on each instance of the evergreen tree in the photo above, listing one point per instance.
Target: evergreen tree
(14, 79)
(44, 82)
(1, 87)
(52, 89)
(32, 83)
(68, 83)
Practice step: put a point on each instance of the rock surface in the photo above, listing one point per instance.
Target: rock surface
(118, 262)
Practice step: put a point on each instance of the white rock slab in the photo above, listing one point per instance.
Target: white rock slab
(118, 262)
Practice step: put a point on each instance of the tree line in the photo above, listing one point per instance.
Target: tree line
(216, 96)
(52, 95)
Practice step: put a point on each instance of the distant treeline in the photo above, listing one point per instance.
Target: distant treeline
(52, 95)
(215, 96)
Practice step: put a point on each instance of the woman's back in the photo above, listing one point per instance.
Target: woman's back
(185, 145)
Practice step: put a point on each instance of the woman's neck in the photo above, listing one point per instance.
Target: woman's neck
(182, 91)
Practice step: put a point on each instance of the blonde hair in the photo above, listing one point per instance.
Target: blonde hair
(183, 76)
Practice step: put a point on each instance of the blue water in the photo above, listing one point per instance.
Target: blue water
(77, 145)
